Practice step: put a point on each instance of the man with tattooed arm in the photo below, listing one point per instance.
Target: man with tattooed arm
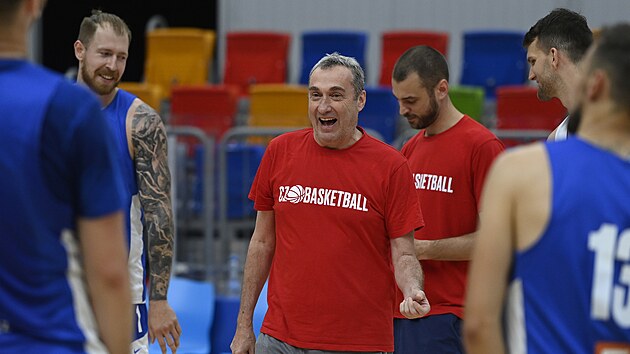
(102, 49)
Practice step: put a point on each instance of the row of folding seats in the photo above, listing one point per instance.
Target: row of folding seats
(256, 67)
(183, 55)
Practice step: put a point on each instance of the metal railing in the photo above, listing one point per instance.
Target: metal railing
(209, 263)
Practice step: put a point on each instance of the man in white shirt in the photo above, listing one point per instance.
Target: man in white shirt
(555, 45)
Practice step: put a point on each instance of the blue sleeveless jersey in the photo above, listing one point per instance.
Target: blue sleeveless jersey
(116, 114)
(55, 165)
(570, 292)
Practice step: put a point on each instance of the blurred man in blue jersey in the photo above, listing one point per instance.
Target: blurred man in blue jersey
(550, 273)
(64, 285)
(102, 49)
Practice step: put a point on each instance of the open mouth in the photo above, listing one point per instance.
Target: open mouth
(327, 122)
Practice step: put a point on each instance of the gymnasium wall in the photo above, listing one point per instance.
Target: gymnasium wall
(375, 16)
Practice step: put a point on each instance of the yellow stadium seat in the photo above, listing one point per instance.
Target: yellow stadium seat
(178, 56)
(278, 105)
(151, 94)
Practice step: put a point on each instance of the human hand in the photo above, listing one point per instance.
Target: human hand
(244, 341)
(415, 306)
(163, 325)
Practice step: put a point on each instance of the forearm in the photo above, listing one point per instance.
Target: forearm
(114, 318)
(259, 258)
(407, 270)
(159, 229)
(105, 260)
(457, 248)
(482, 339)
(408, 273)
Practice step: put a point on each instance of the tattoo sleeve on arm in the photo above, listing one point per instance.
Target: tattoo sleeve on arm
(154, 185)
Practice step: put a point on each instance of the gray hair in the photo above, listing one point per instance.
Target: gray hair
(336, 59)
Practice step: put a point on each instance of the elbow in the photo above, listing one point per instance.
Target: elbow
(480, 334)
(115, 277)
(472, 332)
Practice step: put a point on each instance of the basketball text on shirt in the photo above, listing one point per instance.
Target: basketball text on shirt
(433, 182)
(322, 196)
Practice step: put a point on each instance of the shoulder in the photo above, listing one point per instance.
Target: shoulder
(72, 105)
(291, 138)
(143, 118)
(477, 132)
(383, 154)
(520, 166)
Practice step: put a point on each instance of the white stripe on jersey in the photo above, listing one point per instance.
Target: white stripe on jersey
(136, 248)
(82, 309)
(515, 319)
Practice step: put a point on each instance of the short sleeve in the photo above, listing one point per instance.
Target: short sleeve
(79, 156)
(482, 160)
(403, 212)
(261, 191)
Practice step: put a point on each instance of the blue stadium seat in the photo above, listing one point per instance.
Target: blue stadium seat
(242, 164)
(380, 112)
(260, 310)
(194, 303)
(319, 43)
(224, 324)
(492, 59)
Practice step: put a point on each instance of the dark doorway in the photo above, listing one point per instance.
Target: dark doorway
(61, 22)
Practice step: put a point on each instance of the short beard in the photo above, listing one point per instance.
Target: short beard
(101, 91)
(427, 118)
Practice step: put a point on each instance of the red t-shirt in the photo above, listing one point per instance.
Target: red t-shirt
(449, 170)
(330, 286)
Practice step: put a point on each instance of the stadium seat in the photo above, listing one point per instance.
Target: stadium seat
(316, 44)
(520, 110)
(194, 304)
(468, 100)
(492, 59)
(256, 58)
(212, 108)
(151, 94)
(225, 320)
(395, 43)
(242, 163)
(278, 105)
(178, 55)
(380, 112)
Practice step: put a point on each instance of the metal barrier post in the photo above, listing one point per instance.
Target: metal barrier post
(211, 263)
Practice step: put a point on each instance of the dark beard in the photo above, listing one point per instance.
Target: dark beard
(428, 118)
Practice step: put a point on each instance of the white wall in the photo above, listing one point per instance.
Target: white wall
(375, 16)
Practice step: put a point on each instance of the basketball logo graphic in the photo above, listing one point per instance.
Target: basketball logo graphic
(295, 194)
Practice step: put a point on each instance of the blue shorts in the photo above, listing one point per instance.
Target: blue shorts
(433, 334)
(140, 339)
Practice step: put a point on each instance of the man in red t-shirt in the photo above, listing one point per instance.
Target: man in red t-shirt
(335, 209)
(449, 158)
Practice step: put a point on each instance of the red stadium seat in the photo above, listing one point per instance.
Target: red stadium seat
(520, 110)
(395, 43)
(256, 58)
(208, 107)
